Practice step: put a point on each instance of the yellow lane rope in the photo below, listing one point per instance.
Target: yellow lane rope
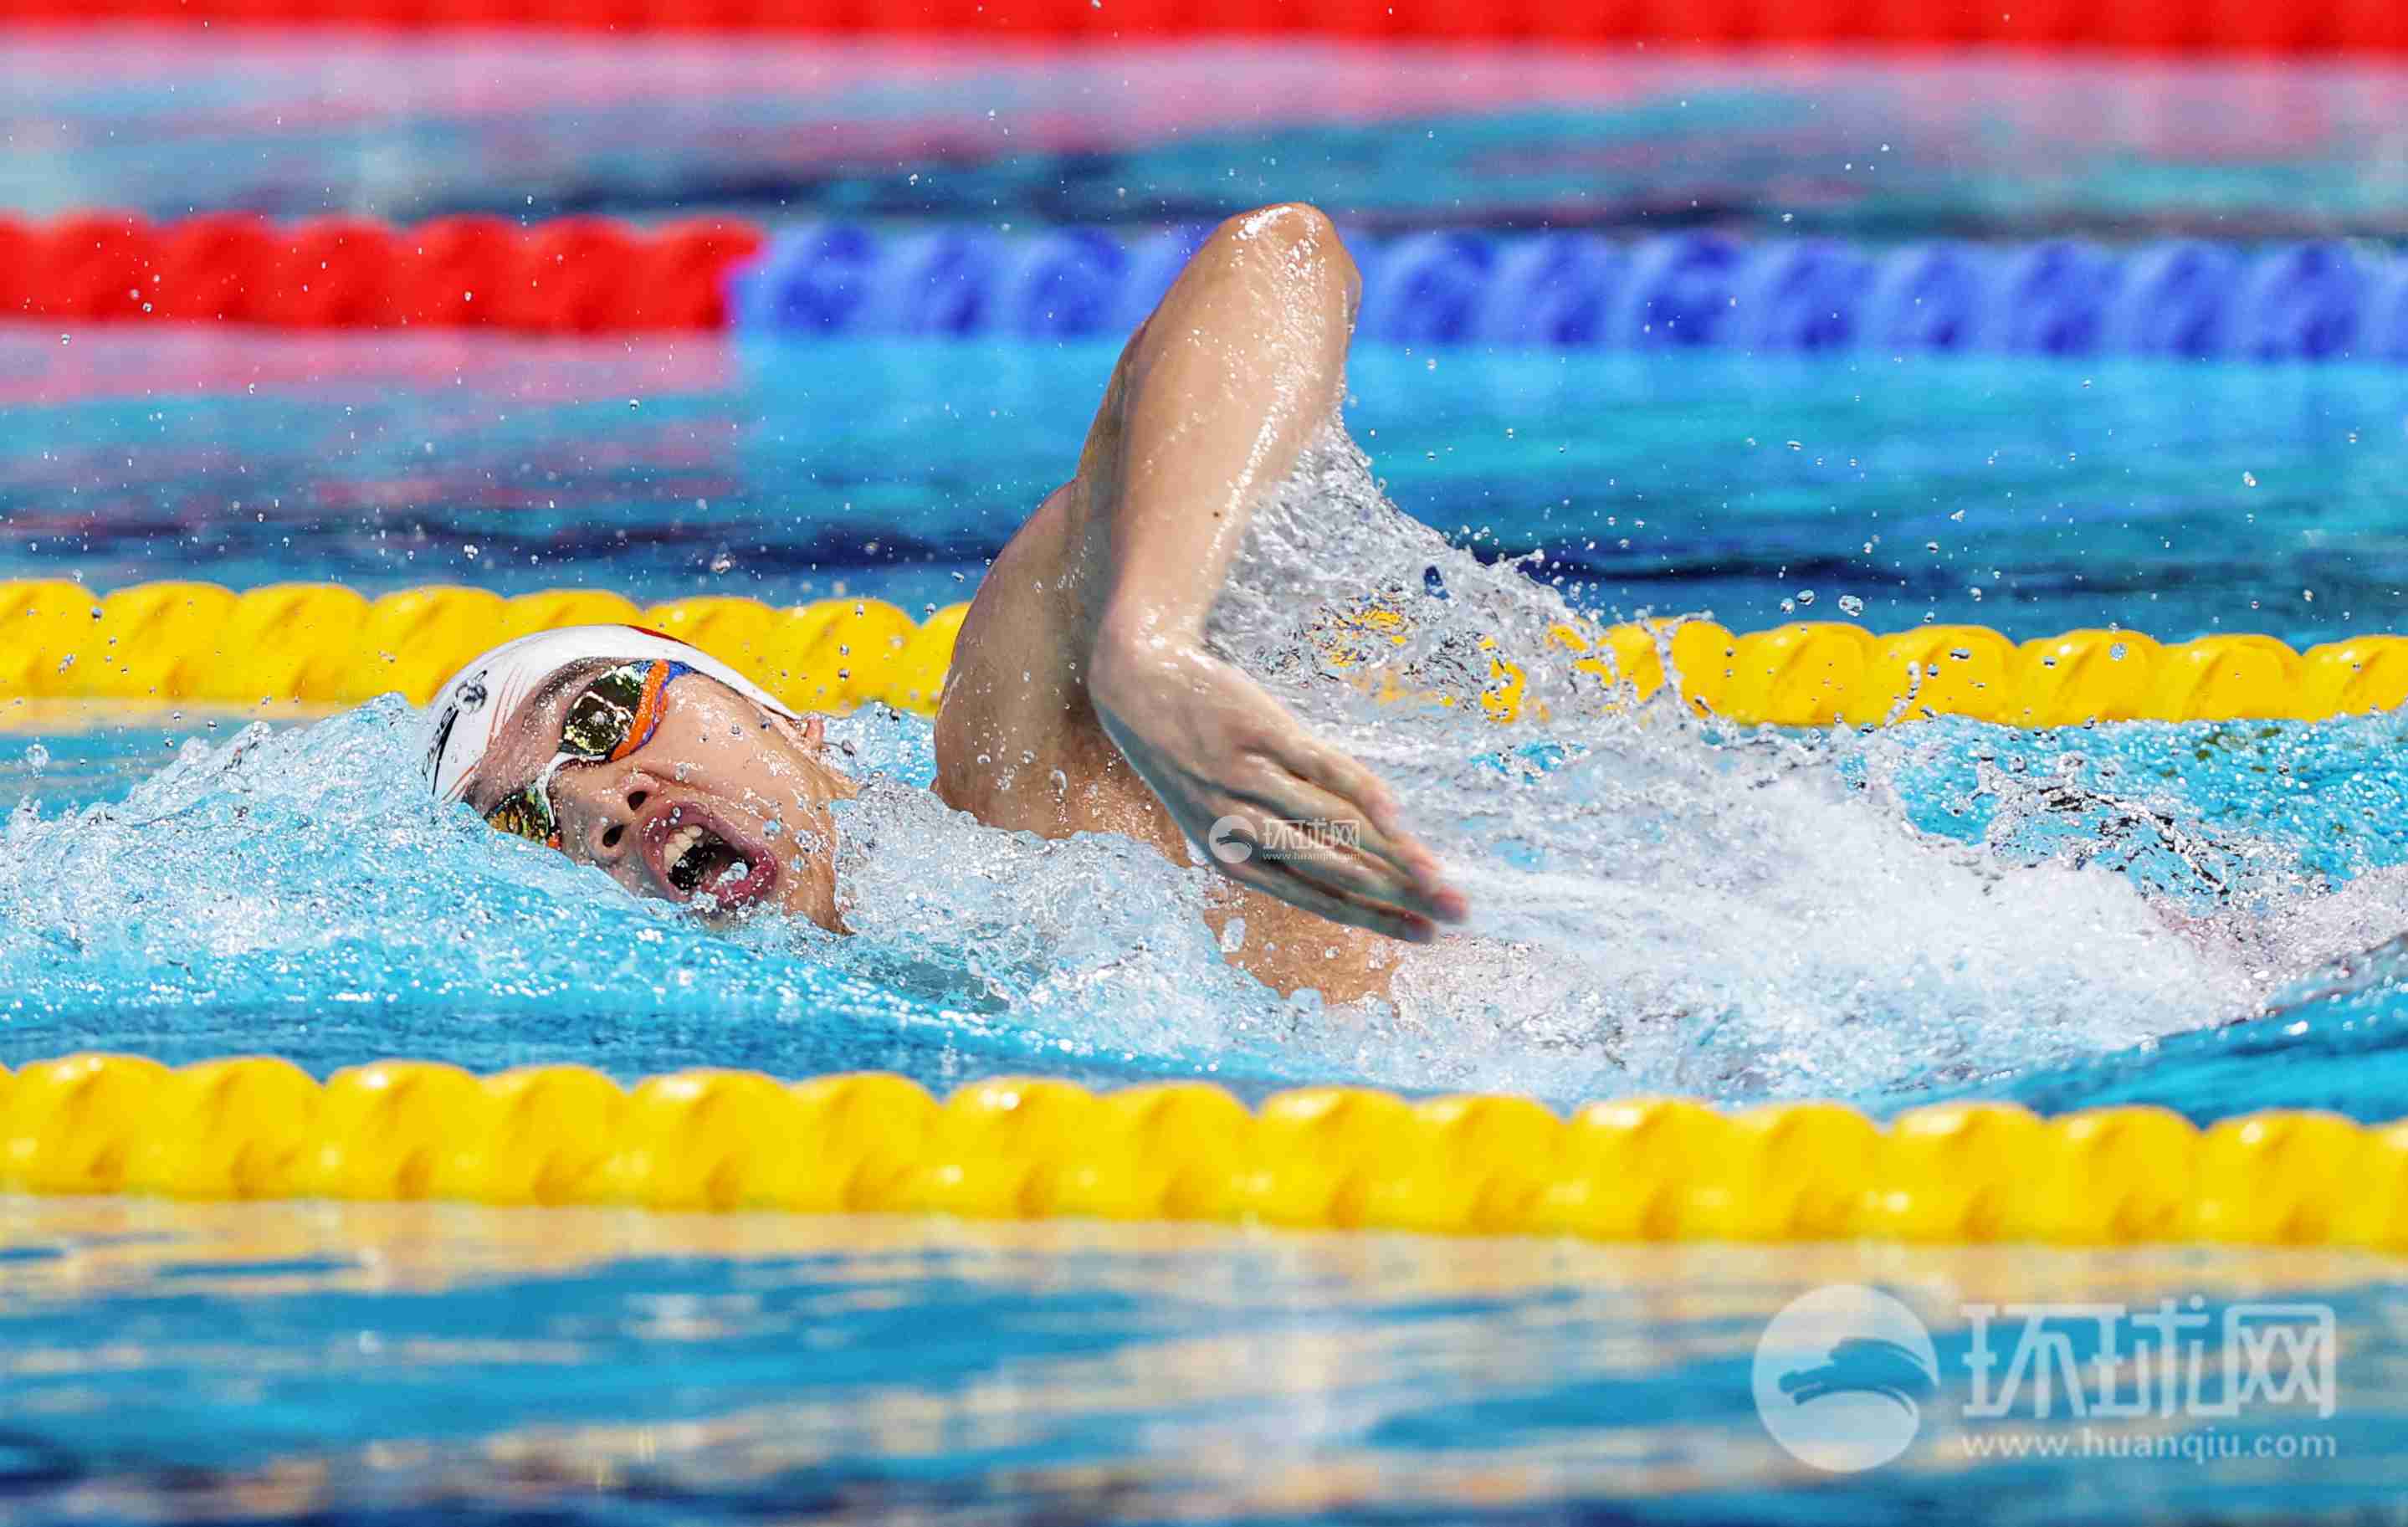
(1324, 1156)
(324, 644)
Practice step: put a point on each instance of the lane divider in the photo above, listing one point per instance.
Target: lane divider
(1646, 1169)
(2180, 298)
(2280, 302)
(2176, 27)
(569, 276)
(324, 644)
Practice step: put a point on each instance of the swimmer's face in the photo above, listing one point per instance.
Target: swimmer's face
(723, 807)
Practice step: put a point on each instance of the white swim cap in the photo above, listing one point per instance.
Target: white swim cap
(470, 708)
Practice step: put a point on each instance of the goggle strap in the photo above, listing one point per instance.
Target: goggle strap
(647, 718)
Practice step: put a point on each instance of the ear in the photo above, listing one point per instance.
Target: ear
(809, 732)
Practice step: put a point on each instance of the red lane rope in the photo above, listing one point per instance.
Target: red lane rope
(573, 276)
(2259, 26)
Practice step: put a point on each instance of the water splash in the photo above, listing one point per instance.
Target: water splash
(1662, 902)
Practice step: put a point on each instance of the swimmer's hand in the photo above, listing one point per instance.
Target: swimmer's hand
(1229, 760)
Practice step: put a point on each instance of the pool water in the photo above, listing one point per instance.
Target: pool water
(2172, 497)
(2197, 915)
(417, 1364)
(1778, 141)
(2208, 917)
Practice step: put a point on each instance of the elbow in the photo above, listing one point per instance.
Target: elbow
(1305, 238)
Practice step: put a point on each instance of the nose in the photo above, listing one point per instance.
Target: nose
(599, 805)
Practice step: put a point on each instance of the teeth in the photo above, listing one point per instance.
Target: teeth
(680, 845)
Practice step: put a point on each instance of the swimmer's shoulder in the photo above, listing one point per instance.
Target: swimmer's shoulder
(1022, 613)
(1018, 744)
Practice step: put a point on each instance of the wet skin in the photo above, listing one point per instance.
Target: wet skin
(721, 783)
(1082, 696)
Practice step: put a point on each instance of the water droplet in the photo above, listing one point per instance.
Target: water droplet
(1851, 605)
(38, 758)
(1805, 595)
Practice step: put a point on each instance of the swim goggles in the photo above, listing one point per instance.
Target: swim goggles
(613, 716)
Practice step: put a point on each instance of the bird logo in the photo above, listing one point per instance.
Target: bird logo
(1841, 1377)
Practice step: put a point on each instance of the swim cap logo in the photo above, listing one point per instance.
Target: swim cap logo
(1226, 845)
(1840, 1375)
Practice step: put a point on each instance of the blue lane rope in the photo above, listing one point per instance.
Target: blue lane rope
(2286, 302)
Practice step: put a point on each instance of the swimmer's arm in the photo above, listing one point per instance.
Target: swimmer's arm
(1238, 370)
(1217, 395)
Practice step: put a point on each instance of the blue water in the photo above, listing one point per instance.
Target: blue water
(2206, 918)
(2036, 497)
(2194, 916)
(412, 1364)
(389, 1364)
(1454, 134)
(199, 913)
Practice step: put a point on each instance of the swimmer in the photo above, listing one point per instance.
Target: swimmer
(1082, 696)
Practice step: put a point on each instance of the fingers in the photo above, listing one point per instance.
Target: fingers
(1353, 789)
(1341, 774)
(1278, 878)
(1335, 879)
(1326, 845)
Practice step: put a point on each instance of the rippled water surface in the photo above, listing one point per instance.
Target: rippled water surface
(412, 1363)
(1661, 904)
(2205, 916)
(1785, 140)
(2034, 496)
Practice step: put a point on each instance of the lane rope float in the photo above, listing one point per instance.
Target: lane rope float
(323, 644)
(2318, 301)
(1325, 1157)
(1648, 1169)
(2282, 27)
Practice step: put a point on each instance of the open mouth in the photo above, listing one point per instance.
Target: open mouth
(696, 856)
